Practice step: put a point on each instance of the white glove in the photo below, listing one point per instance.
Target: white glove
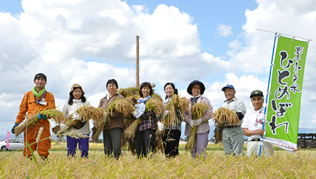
(76, 116)
(105, 119)
(135, 113)
(62, 126)
(165, 113)
(160, 126)
(191, 123)
(198, 121)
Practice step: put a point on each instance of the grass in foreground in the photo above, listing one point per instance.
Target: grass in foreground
(214, 165)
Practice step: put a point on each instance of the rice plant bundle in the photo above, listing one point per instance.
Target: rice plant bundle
(129, 133)
(157, 96)
(183, 104)
(127, 123)
(124, 106)
(132, 99)
(90, 112)
(131, 91)
(225, 115)
(128, 143)
(155, 105)
(97, 131)
(55, 114)
(197, 111)
(218, 136)
(69, 122)
(176, 103)
(158, 143)
(32, 120)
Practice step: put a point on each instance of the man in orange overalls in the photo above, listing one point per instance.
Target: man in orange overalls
(33, 102)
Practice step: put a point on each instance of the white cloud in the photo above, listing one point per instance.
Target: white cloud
(224, 30)
(295, 18)
(55, 37)
(243, 86)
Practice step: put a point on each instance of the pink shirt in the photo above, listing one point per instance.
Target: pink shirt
(204, 126)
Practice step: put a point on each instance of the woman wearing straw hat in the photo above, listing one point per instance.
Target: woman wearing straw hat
(112, 131)
(196, 90)
(81, 128)
(172, 134)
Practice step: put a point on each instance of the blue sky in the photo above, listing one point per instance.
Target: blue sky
(91, 41)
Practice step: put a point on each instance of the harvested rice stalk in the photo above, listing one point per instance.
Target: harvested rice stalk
(155, 105)
(55, 114)
(157, 97)
(132, 99)
(120, 106)
(69, 122)
(218, 136)
(183, 104)
(129, 133)
(90, 112)
(32, 120)
(125, 107)
(97, 132)
(176, 103)
(197, 111)
(127, 92)
(124, 140)
(225, 116)
(158, 143)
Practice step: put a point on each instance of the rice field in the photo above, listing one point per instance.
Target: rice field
(214, 165)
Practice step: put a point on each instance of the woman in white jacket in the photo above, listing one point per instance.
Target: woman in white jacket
(77, 99)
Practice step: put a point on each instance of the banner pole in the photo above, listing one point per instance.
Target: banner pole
(267, 96)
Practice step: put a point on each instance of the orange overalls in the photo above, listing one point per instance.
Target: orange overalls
(29, 105)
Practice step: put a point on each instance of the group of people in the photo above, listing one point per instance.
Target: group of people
(250, 123)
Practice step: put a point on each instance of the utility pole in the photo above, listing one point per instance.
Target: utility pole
(137, 61)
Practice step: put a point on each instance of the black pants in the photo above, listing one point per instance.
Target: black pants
(171, 142)
(112, 142)
(144, 142)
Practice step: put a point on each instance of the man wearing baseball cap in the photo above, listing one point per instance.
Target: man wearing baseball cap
(232, 135)
(252, 126)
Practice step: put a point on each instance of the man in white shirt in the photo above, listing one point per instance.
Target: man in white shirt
(233, 135)
(252, 126)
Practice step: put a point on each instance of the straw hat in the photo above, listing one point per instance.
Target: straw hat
(75, 85)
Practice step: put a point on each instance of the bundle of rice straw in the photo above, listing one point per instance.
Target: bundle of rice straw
(155, 105)
(197, 111)
(223, 116)
(124, 106)
(128, 143)
(69, 122)
(127, 92)
(90, 112)
(57, 115)
(129, 133)
(176, 103)
(121, 106)
(97, 131)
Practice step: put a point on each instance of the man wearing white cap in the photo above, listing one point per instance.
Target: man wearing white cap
(233, 135)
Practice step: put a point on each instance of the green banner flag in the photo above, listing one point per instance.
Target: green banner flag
(284, 98)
